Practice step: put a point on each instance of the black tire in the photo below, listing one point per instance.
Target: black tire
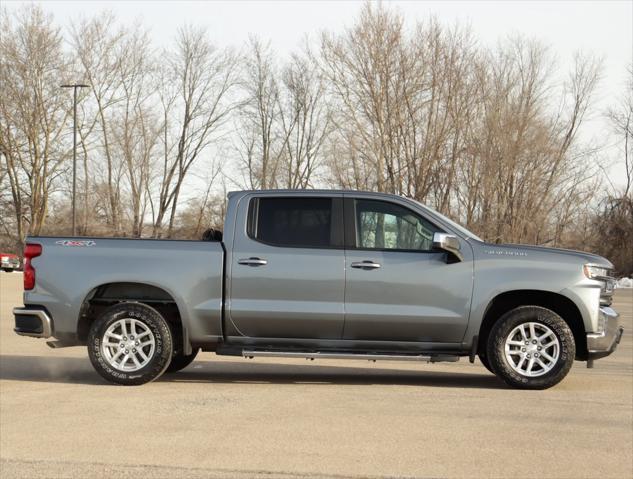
(180, 361)
(495, 352)
(484, 360)
(152, 320)
(7, 270)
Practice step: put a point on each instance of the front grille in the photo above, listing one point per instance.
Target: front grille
(606, 291)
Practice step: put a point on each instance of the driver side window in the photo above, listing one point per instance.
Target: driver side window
(383, 225)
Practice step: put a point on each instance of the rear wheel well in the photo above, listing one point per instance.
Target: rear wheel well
(106, 295)
(561, 305)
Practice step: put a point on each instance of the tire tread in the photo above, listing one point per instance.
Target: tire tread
(496, 343)
(162, 333)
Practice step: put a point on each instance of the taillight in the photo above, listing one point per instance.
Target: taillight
(30, 251)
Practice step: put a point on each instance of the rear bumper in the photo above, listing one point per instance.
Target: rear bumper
(605, 342)
(35, 323)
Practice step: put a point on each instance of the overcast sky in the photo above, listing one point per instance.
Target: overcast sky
(604, 28)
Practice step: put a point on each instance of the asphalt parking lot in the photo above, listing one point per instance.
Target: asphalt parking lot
(232, 417)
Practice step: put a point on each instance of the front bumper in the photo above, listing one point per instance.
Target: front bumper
(35, 323)
(605, 342)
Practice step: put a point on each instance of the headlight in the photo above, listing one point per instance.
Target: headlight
(595, 272)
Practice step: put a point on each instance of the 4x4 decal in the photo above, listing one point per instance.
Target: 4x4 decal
(76, 242)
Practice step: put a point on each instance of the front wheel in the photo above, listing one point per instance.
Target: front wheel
(531, 347)
(484, 360)
(130, 344)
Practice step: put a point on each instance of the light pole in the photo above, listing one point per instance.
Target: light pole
(74, 87)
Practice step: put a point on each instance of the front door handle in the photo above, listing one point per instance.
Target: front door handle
(252, 261)
(367, 264)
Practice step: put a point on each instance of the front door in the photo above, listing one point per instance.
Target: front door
(397, 287)
(288, 268)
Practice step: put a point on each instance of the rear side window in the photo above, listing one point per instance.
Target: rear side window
(292, 222)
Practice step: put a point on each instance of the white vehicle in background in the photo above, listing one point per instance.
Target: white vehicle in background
(9, 262)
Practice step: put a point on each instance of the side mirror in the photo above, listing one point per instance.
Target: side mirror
(449, 243)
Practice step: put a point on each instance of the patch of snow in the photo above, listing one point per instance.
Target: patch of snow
(625, 283)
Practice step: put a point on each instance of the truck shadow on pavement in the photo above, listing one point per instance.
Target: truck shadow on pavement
(80, 371)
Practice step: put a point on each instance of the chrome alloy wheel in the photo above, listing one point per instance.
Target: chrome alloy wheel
(128, 345)
(532, 349)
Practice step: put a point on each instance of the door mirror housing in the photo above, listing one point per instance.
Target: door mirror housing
(450, 244)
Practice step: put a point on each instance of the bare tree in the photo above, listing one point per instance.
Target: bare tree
(305, 121)
(611, 233)
(485, 135)
(118, 63)
(260, 141)
(204, 211)
(528, 167)
(33, 116)
(140, 126)
(621, 119)
(468, 130)
(399, 104)
(196, 104)
(361, 69)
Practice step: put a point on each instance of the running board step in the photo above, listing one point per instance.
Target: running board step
(332, 355)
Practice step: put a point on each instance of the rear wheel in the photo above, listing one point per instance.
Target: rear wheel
(531, 347)
(130, 344)
(181, 361)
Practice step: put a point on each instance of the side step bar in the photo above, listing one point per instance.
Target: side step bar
(369, 357)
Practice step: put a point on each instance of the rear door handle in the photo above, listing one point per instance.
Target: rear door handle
(367, 264)
(252, 261)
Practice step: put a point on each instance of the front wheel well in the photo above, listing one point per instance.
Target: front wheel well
(558, 303)
(106, 295)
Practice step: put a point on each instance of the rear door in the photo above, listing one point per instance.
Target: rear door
(288, 267)
(397, 287)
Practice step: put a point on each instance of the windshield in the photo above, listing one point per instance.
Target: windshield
(457, 226)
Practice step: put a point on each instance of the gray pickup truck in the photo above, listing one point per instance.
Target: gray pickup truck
(321, 274)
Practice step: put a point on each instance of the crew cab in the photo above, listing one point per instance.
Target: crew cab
(321, 274)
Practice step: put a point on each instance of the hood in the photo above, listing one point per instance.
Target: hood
(582, 256)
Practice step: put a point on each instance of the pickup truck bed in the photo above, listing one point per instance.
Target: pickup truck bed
(106, 270)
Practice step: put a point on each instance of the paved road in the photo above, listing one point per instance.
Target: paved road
(292, 418)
